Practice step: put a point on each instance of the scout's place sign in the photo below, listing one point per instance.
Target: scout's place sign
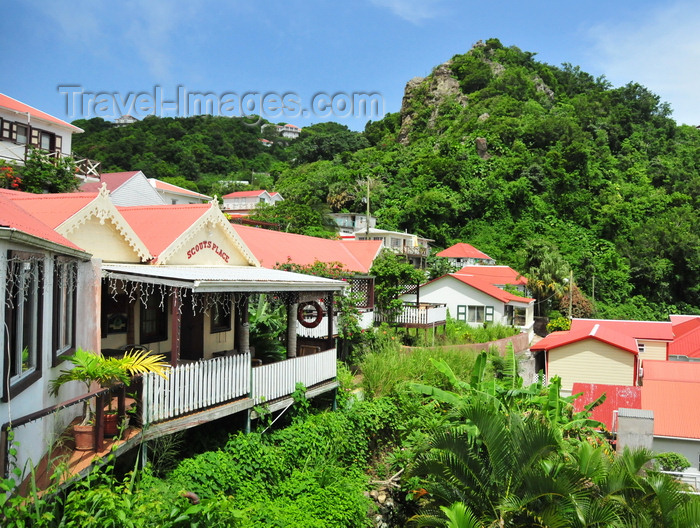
(207, 244)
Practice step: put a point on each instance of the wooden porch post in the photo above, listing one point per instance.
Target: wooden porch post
(243, 329)
(331, 341)
(175, 328)
(292, 308)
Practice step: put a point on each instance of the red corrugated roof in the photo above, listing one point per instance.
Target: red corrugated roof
(114, 180)
(158, 226)
(13, 216)
(675, 405)
(273, 247)
(654, 330)
(496, 274)
(17, 106)
(598, 332)
(616, 397)
(463, 250)
(687, 339)
(489, 289)
(51, 209)
(243, 194)
(660, 370)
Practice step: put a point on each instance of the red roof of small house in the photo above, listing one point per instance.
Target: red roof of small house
(599, 332)
(243, 194)
(17, 106)
(114, 180)
(654, 330)
(14, 216)
(291, 126)
(489, 289)
(496, 274)
(674, 403)
(463, 250)
(165, 186)
(51, 209)
(275, 247)
(686, 340)
(158, 226)
(616, 397)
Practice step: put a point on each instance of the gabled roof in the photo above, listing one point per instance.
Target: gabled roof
(51, 209)
(653, 330)
(489, 289)
(273, 247)
(113, 180)
(166, 228)
(169, 187)
(463, 250)
(598, 332)
(13, 216)
(18, 106)
(616, 397)
(496, 274)
(686, 341)
(244, 194)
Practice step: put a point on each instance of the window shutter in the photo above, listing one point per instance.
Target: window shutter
(59, 144)
(461, 312)
(34, 141)
(489, 314)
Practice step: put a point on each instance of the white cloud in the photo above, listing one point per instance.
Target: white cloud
(660, 51)
(414, 11)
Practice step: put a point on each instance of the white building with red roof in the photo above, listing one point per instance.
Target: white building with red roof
(289, 131)
(477, 299)
(176, 195)
(23, 126)
(245, 202)
(463, 254)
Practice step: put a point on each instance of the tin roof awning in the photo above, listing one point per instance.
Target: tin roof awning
(211, 279)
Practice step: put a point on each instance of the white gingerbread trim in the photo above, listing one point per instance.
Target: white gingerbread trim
(103, 209)
(213, 217)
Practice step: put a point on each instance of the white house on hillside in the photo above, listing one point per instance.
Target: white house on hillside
(463, 254)
(415, 248)
(244, 202)
(351, 223)
(23, 126)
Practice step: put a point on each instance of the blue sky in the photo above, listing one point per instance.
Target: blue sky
(228, 48)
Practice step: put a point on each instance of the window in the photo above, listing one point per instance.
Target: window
(220, 317)
(475, 314)
(23, 317)
(46, 141)
(64, 303)
(640, 348)
(154, 319)
(115, 312)
(21, 133)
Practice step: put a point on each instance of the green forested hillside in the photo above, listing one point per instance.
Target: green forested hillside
(494, 148)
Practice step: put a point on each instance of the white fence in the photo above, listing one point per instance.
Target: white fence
(417, 315)
(195, 386)
(279, 379)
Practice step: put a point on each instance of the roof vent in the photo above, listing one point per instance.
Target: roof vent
(594, 329)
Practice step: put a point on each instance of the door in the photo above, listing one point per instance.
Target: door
(191, 334)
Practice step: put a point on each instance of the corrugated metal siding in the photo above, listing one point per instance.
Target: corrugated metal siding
(136, 191)
(616, 397)
(675, 405)
(590, 361)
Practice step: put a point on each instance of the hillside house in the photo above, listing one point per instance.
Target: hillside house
(462, 254)
(415, 248)
(245, 202)
(351, 223)
(23, 127)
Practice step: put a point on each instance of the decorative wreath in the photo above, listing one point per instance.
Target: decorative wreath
(314, 322)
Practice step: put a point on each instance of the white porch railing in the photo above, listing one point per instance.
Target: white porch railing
(424, 314)
(320, 331)
(195, 386)
(277, 380)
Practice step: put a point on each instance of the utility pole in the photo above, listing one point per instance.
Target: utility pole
(367, 227)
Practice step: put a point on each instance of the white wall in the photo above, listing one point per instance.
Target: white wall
(453, 292)
(136, 191)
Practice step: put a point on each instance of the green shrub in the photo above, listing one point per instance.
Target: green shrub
(672, 461)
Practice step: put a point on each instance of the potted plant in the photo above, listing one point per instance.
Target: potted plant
(91, 368)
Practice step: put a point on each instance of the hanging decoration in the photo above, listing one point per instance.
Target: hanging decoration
(302, 314)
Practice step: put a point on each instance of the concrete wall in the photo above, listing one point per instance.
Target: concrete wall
(688, 447)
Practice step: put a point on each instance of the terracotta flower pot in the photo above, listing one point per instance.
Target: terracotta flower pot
(111, 425)
(84, 437)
